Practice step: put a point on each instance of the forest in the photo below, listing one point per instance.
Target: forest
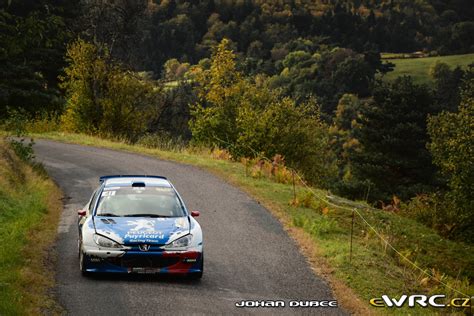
(298, 79)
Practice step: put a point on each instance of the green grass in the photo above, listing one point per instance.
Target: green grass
(418, 68)
(375, 269)
(29, 209)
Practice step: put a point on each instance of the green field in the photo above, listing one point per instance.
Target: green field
(418, 68)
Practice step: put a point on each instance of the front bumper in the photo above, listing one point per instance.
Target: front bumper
(151, 262)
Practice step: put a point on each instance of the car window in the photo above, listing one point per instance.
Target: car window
(140, 201)
(93, 200)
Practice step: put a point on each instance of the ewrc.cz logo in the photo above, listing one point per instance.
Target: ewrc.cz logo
(422, 301)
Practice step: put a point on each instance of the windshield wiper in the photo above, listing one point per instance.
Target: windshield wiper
(108, 214)
(145, 215)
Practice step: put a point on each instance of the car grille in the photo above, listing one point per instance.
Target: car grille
(144, 261)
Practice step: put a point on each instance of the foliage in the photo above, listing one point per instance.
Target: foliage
(262, 29)
(250, 120)
(221, 90)
(435, 211)
(23, 150)
(392, 158)
(327, 74)
(104, 99)
(32, 44)
(446, 84)
(296, 132)
(452, 143)
(342, 139)
(174, 70)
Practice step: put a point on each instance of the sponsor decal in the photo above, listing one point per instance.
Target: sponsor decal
(143, 231)
(419, 300)
(144, 236)
(142, 225)
(281, 303)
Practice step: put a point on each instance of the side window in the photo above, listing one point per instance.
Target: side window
(93, 200)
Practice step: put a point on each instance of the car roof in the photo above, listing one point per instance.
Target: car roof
(129, 180)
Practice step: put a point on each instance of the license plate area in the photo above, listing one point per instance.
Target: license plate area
(144, 270)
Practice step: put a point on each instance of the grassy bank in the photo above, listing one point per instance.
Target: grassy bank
(29, 212)
(418, 68)
(323, 233)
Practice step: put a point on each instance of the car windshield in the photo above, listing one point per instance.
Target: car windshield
(139, 201)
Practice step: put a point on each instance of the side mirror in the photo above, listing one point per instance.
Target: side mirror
(81, 212)
(195, 213)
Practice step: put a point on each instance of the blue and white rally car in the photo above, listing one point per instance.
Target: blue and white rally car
(139, 224)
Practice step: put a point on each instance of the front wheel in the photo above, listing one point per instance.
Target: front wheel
(82, 266)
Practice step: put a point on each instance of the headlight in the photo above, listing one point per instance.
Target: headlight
(105, 242)
(182, 242)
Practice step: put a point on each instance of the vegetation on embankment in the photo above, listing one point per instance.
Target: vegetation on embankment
(419, 68)
(323, 232)
(30, 205)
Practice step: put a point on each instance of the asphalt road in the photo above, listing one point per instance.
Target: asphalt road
(248, 254)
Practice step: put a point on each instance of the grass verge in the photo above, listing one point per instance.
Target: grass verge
(323, 234)
(30, 205)
(418, 68)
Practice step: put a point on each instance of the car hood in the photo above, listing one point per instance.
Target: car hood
(142, 230)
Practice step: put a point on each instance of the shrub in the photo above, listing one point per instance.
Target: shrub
(162, 141)
(43, 124)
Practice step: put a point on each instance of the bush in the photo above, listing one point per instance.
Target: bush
(43, 124)
(432, 210)
(23, 150)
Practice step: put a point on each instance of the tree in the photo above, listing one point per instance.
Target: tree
(446, 84)
(452, 147)
(103, 98)
(220, 91)
(85, 82)
(32, 43)
(120, 25)
(392, 158)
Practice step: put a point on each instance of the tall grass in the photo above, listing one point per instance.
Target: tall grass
(29, 212)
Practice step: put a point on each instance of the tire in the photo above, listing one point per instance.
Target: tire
(81, 262)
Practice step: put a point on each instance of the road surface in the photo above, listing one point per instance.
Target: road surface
(248, 254)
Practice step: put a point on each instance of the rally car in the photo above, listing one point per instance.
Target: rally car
(139, 224)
